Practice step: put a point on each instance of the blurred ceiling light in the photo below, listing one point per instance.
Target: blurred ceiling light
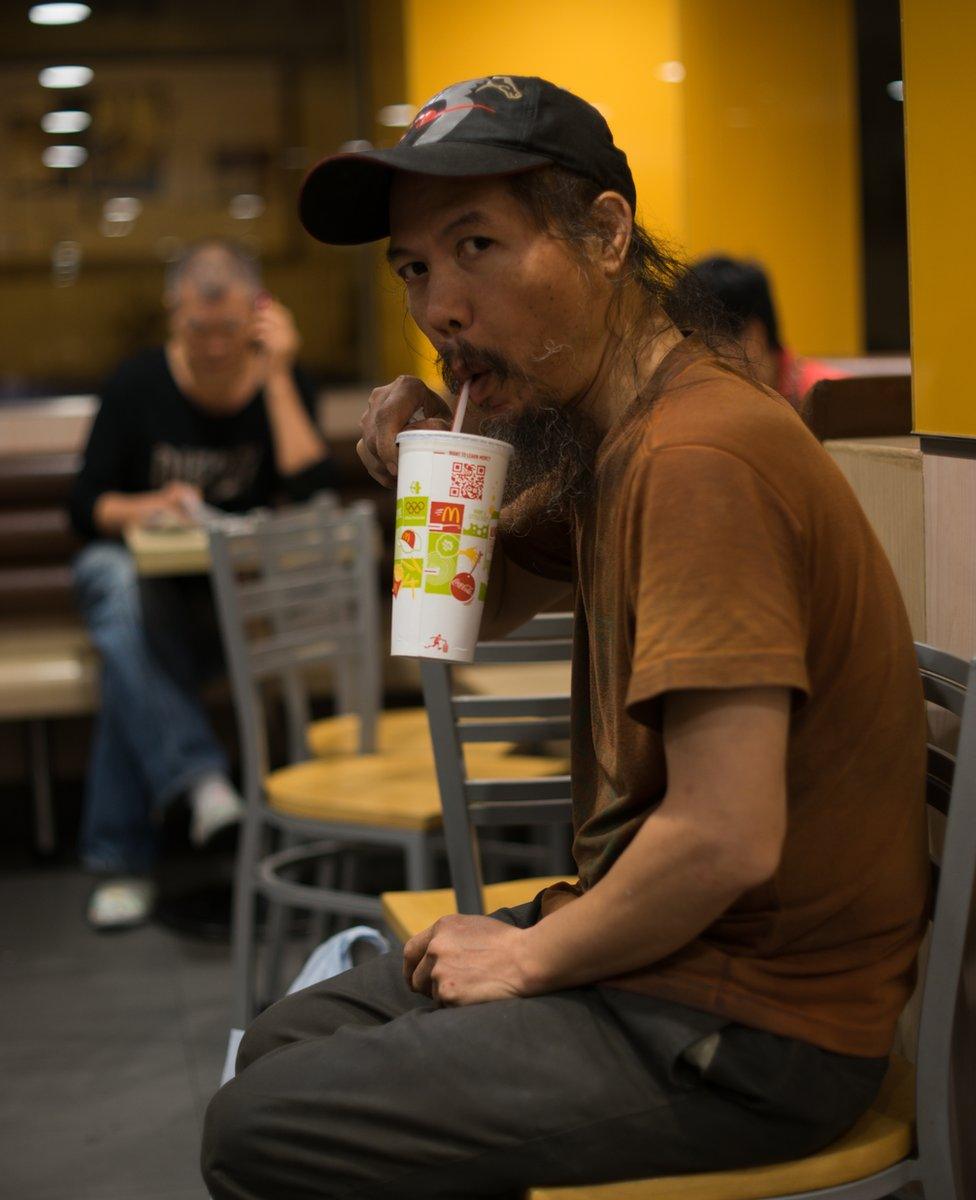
(896, 89)
(671, 72)
(58, 14)
(65, 77)
(356, 146)
(246, 206)
(396, 116)
(65, 121)
(65, 263)
(121, 208)
(110, 228)
(64, 156)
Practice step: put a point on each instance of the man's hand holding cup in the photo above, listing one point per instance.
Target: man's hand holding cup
(406, 403)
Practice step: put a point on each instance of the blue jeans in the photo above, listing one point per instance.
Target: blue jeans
(152, 737)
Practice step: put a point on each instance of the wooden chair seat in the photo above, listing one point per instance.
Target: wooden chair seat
(398, 790)
(401, 733)
(398, 731)
(357, 791)
(408, 913)
(883, 1136)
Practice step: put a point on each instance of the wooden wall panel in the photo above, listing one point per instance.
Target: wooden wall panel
(950, 552)
(886, 475)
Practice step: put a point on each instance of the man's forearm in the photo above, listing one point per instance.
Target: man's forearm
(668, 885)
(297, 443)
(113, 511)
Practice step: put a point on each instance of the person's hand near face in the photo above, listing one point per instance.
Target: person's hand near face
(274, 333)
(405, 403)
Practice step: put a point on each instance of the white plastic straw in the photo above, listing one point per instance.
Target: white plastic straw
(461, 406)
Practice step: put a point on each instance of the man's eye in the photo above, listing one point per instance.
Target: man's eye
(472, 246)
(411, 270)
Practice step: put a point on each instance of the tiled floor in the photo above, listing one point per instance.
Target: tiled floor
(110, 1047)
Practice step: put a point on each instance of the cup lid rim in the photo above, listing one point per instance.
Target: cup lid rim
(447, 433)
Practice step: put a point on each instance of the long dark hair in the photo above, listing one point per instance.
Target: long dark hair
(561, 202)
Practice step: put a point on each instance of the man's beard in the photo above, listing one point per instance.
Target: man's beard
(553, 445)
(553, 452)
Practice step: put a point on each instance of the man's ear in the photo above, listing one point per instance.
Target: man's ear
(612, 215)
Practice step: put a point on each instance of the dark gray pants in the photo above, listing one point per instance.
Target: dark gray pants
(357, 1087)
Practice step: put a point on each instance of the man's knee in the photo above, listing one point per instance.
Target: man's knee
(281, 1024)
(256, 1133)
(228, 1144)
(265, 1033)
(105, 579)
(370, 994)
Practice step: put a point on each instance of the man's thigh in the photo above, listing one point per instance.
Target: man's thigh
(359, 1088)
(437, 1102)
(105, 581)
(370, 994)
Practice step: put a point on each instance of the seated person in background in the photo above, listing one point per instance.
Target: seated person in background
(720, 987)
(221, 415)
(742, 290)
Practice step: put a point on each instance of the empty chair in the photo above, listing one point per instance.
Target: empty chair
(297, 594)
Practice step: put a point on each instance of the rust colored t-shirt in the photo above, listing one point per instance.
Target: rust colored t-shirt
(722, 548)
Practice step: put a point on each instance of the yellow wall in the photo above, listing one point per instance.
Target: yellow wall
(771, 165)
(608, 55)
(939, 45)
(753, 153)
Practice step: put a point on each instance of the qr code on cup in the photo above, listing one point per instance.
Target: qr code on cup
(467, 481)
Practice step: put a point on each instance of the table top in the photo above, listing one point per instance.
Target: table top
(907, 445)
(169, 551)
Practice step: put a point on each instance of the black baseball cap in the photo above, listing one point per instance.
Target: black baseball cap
(495, 125)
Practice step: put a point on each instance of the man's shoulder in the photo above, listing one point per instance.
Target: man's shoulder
(136, 374)
(710, 404)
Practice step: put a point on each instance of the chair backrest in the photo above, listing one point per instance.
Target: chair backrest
(946, 1073)
(295, 592)
(523, 720)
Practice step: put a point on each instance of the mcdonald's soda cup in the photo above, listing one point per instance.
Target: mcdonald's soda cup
(449, 492)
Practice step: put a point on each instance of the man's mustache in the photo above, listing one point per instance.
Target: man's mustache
(462, 360)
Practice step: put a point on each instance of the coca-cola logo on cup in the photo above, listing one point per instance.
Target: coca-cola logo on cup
(462, 587)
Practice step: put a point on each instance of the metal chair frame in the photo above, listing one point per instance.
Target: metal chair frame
(472, 804)
(295, 592)
(945, 1074)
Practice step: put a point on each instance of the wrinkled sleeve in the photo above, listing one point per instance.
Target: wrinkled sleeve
(716, 580)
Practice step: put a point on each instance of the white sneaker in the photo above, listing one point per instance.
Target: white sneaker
(214, 805)
(121, 903)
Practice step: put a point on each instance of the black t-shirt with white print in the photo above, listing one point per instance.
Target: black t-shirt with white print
(147, 433)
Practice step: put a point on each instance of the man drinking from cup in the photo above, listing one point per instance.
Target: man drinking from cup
(721, 986)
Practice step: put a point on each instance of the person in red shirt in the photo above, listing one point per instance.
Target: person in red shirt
(744, 300)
